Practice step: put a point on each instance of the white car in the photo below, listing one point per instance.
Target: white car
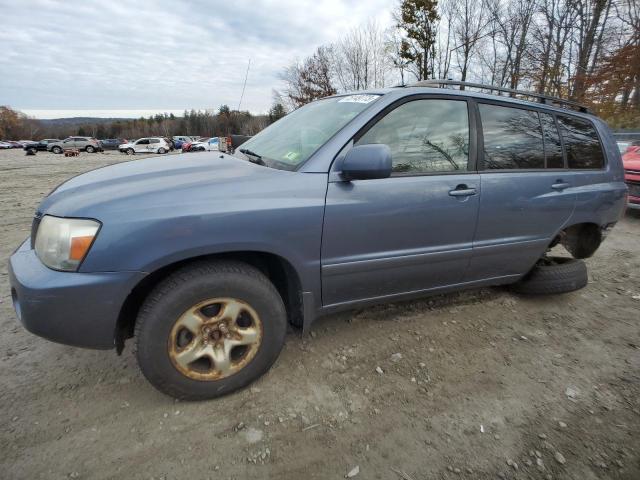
(184, 138)
(4, 145)
(206, 145)
(145, 145)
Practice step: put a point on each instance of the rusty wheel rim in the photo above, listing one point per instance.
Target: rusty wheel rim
(215, 339)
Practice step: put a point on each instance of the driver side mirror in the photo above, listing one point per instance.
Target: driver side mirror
(367, 162)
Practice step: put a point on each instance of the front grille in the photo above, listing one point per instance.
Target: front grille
(634, 189)
(34, 228)
(632, 172)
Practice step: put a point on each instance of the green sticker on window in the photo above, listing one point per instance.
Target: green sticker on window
(292, 156)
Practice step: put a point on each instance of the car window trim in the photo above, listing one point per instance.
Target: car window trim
(472, 156)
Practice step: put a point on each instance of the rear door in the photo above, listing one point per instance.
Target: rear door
(413, 231)
(527, 192)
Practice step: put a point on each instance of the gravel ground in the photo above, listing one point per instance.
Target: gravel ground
(479, 385)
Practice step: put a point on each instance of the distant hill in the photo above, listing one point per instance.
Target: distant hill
(75, 121)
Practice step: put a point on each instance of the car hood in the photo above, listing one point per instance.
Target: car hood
(631, 160)
(149, 184)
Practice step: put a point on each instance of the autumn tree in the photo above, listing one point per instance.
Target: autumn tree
(310, 79)
(418, 20)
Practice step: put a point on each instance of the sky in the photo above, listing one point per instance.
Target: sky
(90, 57)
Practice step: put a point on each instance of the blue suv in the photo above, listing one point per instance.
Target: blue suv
(351, 200)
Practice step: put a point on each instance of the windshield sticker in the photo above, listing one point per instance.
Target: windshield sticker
(358, 98)
(292, 156)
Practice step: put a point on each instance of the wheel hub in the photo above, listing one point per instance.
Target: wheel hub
(206, 346)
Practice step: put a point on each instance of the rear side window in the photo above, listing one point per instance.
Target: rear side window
(512, 138)
(154, 140)
(581, 143)
(552, 144)
(424, 136)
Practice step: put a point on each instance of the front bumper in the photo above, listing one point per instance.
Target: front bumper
(79, 309)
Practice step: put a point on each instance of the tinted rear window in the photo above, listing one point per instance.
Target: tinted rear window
(512, 138)
(552, 144)
(581, 143)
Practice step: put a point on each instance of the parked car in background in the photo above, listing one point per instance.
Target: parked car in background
(348, 201)
(171, 143)
(42, 145)
(13, 143)
(5, 145)
(206, 144)
(112, 143)
(87, 144)
(145, 145)
(186, 146)
(183, 138)
(622, 146)
(631, 161)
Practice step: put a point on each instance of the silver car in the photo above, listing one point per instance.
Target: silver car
(88, 144)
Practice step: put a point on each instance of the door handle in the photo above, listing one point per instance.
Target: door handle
(560, 185)
(462, 191)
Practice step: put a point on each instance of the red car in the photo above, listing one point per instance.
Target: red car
(631, 161)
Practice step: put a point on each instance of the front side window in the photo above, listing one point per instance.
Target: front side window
(425, 136)
(290, 141)
(512, 138)
(581, 143)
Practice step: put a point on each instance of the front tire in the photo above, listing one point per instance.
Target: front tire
(209, 329)
(56, 150)
(130, 151)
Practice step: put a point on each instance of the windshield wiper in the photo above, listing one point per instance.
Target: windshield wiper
(253, 156)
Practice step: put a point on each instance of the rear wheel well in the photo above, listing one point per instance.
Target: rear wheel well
(580, 240)
(277, 269)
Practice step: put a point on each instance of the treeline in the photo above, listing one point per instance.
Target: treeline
(584, 50)
(15, 125)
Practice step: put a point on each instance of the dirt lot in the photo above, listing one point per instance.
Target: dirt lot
(479, 385)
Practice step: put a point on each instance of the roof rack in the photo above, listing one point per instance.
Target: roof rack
(546, 99)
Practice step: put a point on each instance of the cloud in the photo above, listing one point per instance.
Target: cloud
(162, 54)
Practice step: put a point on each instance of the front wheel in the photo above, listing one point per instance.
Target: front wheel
(209, 329)
(56, 150)
(129, 151)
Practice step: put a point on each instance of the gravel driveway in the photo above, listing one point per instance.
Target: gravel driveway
(483, 384)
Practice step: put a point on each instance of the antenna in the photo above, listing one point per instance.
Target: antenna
(244, 85)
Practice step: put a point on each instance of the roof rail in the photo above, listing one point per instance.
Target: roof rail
(546, 99)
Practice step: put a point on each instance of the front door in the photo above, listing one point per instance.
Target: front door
(413, 231)
(142, 145)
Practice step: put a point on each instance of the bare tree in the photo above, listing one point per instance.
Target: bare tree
(469, 20)
(359, 59)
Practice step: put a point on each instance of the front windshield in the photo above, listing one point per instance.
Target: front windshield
(294, 138)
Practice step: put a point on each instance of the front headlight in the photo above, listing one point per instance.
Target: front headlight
(62, 243)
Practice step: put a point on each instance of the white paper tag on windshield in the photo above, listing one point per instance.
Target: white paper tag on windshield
(361, 98)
